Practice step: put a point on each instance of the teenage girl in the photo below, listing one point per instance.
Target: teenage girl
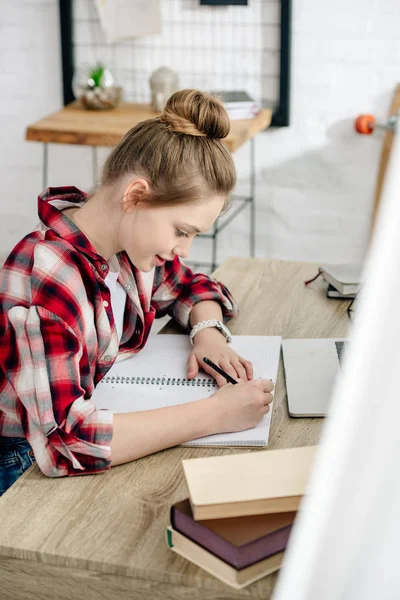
(84, 287)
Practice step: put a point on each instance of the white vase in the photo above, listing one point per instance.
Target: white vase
(163, 83)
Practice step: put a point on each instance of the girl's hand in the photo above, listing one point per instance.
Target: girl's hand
(211, 343)
(241, 406)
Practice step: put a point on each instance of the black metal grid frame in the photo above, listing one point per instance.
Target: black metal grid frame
(281, 116)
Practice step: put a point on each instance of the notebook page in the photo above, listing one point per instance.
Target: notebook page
(128, 388)
(264, 353)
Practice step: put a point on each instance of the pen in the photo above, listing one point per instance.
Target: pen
(219, 370)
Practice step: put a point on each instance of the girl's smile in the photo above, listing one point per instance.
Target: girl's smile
(159, 261)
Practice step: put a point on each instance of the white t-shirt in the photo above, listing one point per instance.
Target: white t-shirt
(148, 280)
(118, 295)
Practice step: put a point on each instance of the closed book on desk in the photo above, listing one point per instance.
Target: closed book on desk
(332, 292)
(345, 278)
(236, 578)
(248, 484)
(156, 378)
(238, 541)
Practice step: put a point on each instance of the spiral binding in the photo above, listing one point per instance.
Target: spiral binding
(183, 381)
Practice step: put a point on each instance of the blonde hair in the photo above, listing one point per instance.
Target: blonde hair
(180, 152)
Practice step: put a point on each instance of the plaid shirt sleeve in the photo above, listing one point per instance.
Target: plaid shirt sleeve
(42, 363)
(177, 289)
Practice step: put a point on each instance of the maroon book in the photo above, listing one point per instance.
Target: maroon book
(239, 541)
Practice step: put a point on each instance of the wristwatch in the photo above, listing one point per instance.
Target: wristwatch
(211, 323)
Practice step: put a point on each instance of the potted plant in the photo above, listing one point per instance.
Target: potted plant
(95, 89)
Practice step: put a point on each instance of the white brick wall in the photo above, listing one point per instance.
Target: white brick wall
(30, 87)
(315, 180)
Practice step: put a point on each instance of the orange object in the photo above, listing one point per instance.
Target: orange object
(365, 124)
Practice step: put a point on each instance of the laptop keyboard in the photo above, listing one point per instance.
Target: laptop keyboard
(341, 348)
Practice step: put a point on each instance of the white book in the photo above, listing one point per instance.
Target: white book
(243, 113)
(234, 98)
(332, 292)
(345, 278)
(156, 378)
(236, 578)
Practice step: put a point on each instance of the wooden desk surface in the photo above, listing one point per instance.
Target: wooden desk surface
(75, 125)
(103, 536)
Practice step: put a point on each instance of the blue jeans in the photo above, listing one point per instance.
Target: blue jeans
(16, 456)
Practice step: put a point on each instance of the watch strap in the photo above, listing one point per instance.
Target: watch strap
(211, 323)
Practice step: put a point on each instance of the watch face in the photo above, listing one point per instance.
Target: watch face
(224, 330)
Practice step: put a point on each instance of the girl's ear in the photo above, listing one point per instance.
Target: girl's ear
(134, 193)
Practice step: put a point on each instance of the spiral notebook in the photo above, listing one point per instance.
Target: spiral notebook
(156, 378)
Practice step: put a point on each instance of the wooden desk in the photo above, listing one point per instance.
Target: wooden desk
(76, 125)
(103, 536)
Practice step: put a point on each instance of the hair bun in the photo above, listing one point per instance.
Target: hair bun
(196, 113)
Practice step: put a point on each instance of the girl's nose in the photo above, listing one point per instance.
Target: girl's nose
(183, 248)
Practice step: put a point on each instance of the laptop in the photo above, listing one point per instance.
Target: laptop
(311, 367)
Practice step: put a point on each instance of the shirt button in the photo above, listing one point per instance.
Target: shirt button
(105, 303)
(107, 358)
(103, 267)
(128, 286)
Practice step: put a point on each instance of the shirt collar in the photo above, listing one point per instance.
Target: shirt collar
(54, 219)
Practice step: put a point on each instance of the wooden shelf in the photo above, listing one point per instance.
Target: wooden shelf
(75, 125)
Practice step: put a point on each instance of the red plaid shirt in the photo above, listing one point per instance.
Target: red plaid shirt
(58, 337)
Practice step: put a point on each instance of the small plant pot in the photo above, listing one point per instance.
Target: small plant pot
(100, 98)
(95, 88)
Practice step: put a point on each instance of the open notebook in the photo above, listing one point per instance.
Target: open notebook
(156, 377)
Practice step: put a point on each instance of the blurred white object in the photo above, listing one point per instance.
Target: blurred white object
(345, 544)
(124, 19)
(163, 83)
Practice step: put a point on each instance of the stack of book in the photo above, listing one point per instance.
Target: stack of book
(238, 104)
(344, 280)
(237, 521)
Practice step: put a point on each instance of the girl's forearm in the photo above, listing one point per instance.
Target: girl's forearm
(202, 311)
(141, 433)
